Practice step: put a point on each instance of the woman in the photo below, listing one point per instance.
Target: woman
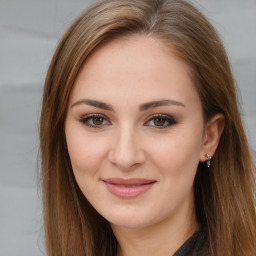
(143, 150)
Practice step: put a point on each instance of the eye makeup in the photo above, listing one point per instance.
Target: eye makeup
(160, 121)
(95, 120)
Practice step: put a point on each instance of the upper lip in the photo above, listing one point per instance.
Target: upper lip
(133, 181)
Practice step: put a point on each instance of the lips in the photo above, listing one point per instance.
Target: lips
(128, 188)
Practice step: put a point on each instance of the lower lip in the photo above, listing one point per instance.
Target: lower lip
(128, 192)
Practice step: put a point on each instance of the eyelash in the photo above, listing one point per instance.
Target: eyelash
(168, 121)
(86, 120)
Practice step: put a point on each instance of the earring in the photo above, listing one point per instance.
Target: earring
(208, 163)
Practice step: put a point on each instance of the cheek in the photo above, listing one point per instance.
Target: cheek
(86, 157)
(178, 155)
(176, 160)
(86, 152)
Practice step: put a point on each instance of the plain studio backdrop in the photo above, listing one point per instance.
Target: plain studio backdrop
(29, 32)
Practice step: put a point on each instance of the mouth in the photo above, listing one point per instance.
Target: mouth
(128, 188)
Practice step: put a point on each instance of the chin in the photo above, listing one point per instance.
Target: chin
(129, 223)
(130, 219)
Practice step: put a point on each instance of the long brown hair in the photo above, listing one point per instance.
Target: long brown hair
(224, 194)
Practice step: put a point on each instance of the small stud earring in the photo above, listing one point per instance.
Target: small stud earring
(208, 163)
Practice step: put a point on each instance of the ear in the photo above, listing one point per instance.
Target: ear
(212, 133)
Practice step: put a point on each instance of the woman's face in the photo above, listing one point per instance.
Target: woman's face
(134, 132)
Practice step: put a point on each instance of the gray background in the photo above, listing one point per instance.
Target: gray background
(29, 31)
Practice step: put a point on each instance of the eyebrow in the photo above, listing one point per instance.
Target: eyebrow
(94, 103)
(160, 103)
(142, 107)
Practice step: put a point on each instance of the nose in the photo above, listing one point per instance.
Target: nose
(127, 151)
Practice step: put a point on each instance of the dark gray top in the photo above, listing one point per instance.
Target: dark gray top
(196, 245)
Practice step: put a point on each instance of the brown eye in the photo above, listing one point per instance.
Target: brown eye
(159, 122)
(97, 120)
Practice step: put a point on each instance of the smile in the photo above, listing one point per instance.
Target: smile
(128, 188)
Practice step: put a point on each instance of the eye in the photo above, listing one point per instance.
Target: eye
(160, 121)
(94, 120)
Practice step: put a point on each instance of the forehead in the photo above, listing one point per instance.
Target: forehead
(132, 64)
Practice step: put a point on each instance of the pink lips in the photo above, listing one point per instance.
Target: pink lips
(128, 188)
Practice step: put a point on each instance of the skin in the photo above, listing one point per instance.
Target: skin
(128, 141)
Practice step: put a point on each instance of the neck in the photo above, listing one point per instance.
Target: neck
(163, 238)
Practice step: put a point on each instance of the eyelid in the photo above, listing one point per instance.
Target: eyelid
(168, 118)
(85, 120)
